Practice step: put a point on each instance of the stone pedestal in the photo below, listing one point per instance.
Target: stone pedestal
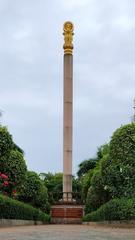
(67, 214)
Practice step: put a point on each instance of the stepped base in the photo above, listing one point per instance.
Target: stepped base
(67, 214)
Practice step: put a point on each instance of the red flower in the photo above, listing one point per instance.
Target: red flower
(6, 183)
(4, 176)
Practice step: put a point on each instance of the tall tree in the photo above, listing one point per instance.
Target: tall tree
(85, 166)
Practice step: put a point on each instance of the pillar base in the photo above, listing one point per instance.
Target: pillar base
(67, 214)
(67, 197)
(67, 188)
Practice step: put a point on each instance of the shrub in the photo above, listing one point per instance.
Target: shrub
(6, 142)
(15, 167)
(53, 183)
(86, 183)
(93, 186)
(103, 150)
(118, 169)
(122, 145)
(13, 209)
(97, 195)
(16, 147)
(12, 162)
(116, 209)
(34, 192)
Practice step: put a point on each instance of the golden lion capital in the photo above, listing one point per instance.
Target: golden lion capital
(68, 33)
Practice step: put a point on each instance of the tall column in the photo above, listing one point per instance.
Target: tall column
(68, 111)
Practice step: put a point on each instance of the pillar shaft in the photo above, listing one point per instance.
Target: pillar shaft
(68, 113)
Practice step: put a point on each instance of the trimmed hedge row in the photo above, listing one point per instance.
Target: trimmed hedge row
(116, 209)
(13, 209)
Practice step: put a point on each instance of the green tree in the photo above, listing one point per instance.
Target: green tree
(93, 185)
(15, 167)
(53, 183)
(16, 147)
(103, 150)
(97, 193)
(12, 162)
(114, 175)
(86, 183)
(118, 169)
(85, 166)
(77, 189)
(6, 142)
(34, 192)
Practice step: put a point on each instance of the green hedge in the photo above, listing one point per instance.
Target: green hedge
(13, 209)
(116, 209)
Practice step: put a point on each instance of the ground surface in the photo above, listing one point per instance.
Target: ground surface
(66, 232)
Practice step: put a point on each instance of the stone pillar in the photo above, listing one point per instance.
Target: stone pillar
(68, 112)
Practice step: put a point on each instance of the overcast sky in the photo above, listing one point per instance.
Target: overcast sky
(31, 75)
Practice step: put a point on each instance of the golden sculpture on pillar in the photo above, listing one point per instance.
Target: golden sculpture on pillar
(68, 37)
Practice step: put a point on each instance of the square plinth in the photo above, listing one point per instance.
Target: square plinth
(65, 214)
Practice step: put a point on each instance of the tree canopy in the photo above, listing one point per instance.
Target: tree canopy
(85, 166)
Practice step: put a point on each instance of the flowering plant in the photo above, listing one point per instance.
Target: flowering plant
(7, 187)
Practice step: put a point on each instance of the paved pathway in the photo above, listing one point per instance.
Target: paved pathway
(66, 232)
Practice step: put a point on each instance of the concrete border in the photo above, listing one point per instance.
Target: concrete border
(16, 222)
(115, 224)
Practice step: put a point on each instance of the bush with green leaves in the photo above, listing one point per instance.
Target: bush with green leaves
(114, 175)
(102, 151)
(15, 168)
(86, 183)
(118, 169)
(97, 194)
(88, 191)
(77, 189)
(12, 162)
(116, 209)
(6, 142)
(122, 145)
(53, 183)
(16, 147)
(34, 192)
(13, 209)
